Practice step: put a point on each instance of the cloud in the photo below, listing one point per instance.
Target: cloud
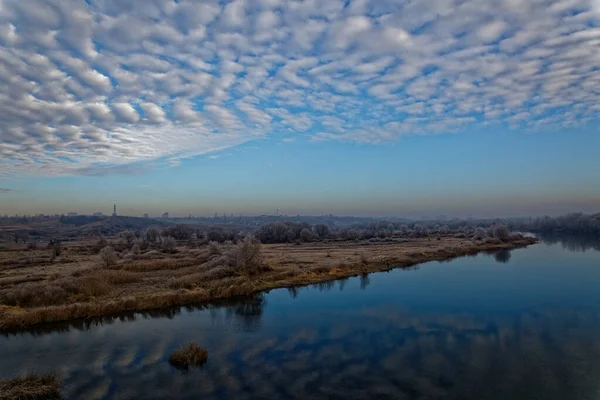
(126, 112)
(103, 85)
(153, 112)
(4, 190)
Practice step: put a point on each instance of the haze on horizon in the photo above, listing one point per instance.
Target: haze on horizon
(361, 107)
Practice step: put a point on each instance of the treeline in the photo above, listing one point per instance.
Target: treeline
(185, 232)
(573, 223)
(290, 232)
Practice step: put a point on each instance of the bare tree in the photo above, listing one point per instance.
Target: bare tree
(353, 234)
(180, 232)
(168, 244)
(152, 235)
(500, 231)
(322, 230)
(247, 255)
(108, 256)
(129, 236)
(479, 234)
(306, 235)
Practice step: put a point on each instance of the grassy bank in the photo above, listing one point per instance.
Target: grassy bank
(78, 287)
(31, 387)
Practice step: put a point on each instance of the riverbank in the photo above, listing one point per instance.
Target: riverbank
(77, 286)
(32, 386)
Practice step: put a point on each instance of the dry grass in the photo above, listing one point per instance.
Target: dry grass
(365, 256)
(31, 387)
(188, 355)
(80, 289)
(57, 292)
(117, 277)
(162, 264)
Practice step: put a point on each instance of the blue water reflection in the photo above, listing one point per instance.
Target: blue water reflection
(521, 325)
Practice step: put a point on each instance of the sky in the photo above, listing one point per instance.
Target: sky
(356, 107)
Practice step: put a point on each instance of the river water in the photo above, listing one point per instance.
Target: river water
(512, 325)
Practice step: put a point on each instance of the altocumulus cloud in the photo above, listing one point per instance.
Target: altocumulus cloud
(102, 83)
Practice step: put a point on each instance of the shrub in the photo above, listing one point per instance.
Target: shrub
(306, 235)
(32, 246)
(353, 234)
(365, 257)
(32, 295)
(136, 249)
(152, 235)
(479, 234)
(500, 231)
(214, 248)
(188, 355)
(168, 244)
(108, 256)
(143, 244)
(129, 236)
(246, 256)
(56, 248)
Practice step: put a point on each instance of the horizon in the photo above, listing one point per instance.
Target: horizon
(362, 107)
(438, 218)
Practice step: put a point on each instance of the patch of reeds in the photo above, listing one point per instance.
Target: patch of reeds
(31, 387)
(56, 292)
(188, 355)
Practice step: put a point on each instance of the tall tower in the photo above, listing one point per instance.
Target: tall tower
(115, 210)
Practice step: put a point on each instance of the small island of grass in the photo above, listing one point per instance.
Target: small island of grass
(187, 356)
(31, 387)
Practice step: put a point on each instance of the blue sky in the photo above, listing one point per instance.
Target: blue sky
(364, 107)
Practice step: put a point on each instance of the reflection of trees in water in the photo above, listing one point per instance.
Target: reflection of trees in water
(364, 281)
(243, 306)
(293, 291)
(579, 243)
(502, 256)
(248, 311)
(88, 323)
(323, 286)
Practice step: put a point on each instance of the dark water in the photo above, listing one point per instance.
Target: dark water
(512, 325)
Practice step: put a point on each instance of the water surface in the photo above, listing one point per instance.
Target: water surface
(511, 325)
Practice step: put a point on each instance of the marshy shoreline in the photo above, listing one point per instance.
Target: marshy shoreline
(193, 275)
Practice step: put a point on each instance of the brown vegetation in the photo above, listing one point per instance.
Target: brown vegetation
(30, 387)
(76, 287)
(188, 355)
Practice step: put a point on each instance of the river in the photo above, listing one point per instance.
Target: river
(523, 324)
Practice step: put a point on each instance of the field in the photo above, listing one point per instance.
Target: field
(79, 283)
